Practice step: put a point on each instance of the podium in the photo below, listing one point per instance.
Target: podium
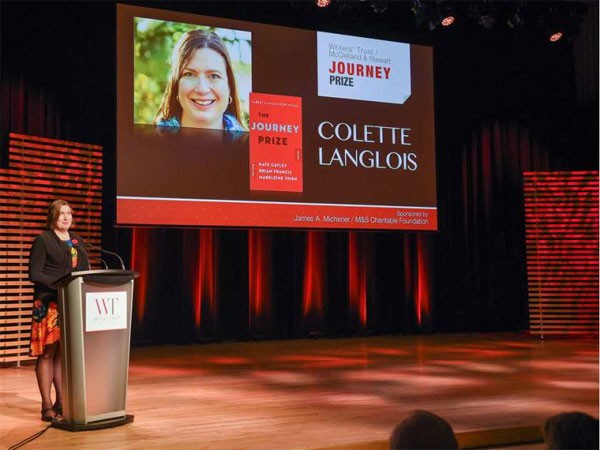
(95, 309)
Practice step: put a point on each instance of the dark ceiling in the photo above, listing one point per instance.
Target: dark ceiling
(482, 71)
(404, 19)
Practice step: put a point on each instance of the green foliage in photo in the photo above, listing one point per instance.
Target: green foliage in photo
(154, 41)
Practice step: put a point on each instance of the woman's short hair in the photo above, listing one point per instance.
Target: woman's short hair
(182, 52)
(571, 430)
(423, 430)
(54, 212)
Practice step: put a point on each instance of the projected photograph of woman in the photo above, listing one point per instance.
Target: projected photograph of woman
(201, 88)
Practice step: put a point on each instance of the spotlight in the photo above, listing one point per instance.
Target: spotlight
(562, 23)
(514, 20)
(420, 11)
(487, 21)
(446, 15)
(379, 6)
(348, 9)
(448, 20)
(484, 13)
(555, 23)
(433, 14)
(322, 3)
(556, 36)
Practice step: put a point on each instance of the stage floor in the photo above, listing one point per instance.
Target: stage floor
(323, 393)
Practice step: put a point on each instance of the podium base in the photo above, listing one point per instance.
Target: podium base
(108, 423)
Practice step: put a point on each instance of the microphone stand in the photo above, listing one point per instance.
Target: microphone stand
(93, 247)
(105, 266)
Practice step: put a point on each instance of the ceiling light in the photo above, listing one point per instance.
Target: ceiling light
(555, 36)
(447, 21)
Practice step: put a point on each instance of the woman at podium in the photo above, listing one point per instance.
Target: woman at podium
(55, 252)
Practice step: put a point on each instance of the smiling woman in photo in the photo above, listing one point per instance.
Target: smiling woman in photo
(201, 91)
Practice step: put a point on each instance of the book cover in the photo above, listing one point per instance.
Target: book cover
(275, 143)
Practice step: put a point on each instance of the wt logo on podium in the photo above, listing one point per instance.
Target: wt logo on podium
(105, 311)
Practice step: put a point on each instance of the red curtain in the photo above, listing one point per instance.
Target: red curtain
(469, 275)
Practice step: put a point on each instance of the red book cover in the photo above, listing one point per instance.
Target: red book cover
(275, 143)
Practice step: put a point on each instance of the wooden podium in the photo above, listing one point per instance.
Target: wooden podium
(95, 322)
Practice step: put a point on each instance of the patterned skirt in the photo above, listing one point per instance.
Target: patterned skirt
(44, 326)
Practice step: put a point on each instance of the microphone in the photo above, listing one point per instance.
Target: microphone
(101, 260)
(114, 254)
(93, 247)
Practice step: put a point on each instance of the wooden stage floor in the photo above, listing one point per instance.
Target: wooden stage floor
(323, 393)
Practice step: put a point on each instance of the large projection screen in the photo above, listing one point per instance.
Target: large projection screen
(285, 128)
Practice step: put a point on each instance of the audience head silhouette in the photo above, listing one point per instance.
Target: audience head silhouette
(423, 430)
(573, 430)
